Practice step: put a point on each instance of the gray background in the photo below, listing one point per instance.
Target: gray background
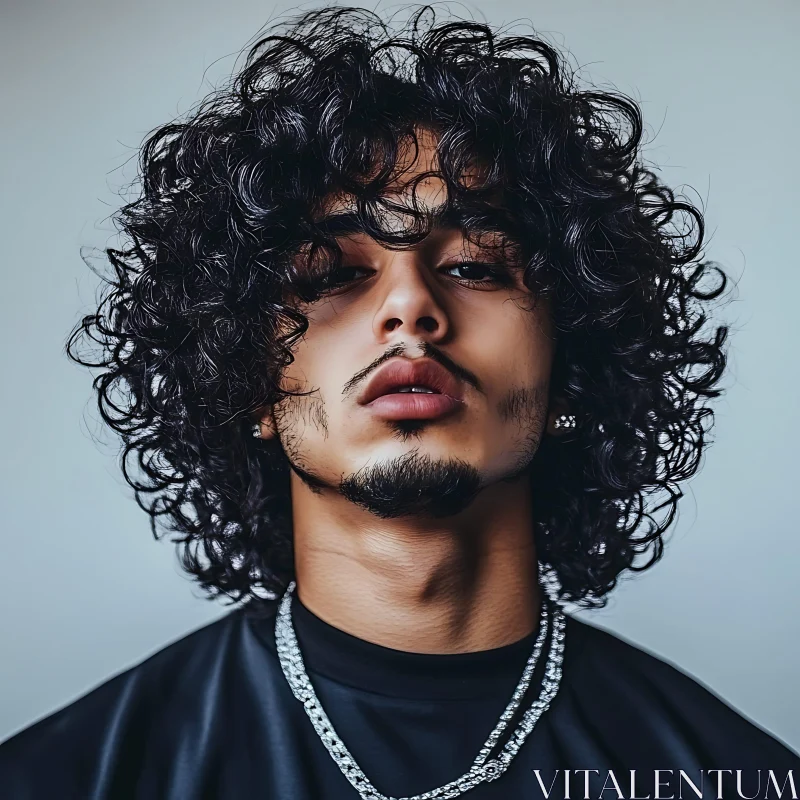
(86, 592)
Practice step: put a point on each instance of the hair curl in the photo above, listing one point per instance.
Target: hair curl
(197, 323)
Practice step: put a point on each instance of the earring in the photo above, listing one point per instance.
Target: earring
(256, 429)
(565, 421)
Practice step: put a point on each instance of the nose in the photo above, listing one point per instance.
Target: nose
(410, 305)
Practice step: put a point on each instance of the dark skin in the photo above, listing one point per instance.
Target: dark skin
(452, 584)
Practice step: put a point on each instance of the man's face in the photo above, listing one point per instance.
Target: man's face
(459, 308)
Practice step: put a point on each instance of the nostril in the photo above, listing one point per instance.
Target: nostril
(429, 324)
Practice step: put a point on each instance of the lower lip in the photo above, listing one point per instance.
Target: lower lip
(413, 405)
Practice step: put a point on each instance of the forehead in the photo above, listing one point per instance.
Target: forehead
(416, 183)
(414, 201)
(447, 233)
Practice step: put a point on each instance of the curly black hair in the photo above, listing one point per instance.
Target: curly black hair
(200, 312)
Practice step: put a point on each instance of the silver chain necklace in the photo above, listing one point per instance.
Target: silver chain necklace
(482, 769)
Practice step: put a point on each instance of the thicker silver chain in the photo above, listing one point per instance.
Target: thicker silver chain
(482, 769)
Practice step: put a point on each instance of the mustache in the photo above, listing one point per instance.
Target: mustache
(429, 350)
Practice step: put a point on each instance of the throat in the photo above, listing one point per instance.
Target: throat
(426, 583)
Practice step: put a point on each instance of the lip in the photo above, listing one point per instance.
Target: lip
(379, 394)
(413, 406)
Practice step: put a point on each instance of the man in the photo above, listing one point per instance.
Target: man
(406, 338)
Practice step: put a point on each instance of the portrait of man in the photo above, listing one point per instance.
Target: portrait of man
(411, 354)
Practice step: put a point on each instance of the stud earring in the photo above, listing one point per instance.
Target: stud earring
(256, 429)
(565, 421)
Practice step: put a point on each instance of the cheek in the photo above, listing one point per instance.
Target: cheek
(322, 365)
(515, 348)
(316, 354)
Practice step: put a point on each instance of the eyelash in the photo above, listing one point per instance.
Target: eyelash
(497, 276)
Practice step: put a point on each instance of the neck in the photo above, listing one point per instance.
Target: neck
(465, 583)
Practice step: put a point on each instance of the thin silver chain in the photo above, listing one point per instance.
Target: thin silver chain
(482, 769)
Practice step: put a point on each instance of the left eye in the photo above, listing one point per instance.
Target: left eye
(477, 272)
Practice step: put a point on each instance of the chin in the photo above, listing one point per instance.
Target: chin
(410, 438)
(411, 483)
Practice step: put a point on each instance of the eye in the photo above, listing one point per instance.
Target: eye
(478, 272)
(340, 278)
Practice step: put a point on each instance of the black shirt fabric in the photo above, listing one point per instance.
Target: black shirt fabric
(211, 717)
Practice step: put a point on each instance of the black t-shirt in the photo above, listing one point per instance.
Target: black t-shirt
(211, 717)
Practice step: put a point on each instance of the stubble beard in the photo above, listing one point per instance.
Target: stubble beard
(416, 484)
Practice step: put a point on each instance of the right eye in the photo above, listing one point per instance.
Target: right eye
(339, 278)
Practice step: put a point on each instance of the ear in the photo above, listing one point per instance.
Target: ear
(558, 406)
(265, 420)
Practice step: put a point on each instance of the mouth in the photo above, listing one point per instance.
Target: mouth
(413, 405)
(412, 389)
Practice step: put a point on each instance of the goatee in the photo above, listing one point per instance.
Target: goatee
(413, 484)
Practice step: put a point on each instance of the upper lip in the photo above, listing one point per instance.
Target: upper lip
(395, 374)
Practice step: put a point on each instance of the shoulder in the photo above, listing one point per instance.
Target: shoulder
(90, 745)
(635, 692)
